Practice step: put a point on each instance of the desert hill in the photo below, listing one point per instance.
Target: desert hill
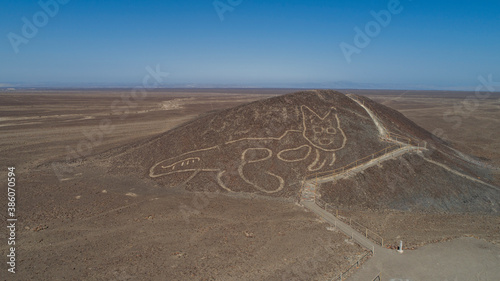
(270, 146)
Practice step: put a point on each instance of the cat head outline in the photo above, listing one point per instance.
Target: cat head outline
(325, 132)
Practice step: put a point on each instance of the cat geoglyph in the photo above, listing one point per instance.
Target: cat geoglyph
(315, 145)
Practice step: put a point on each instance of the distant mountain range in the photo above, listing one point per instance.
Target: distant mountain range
(298, 85)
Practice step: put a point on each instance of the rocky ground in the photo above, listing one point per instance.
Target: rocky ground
(87, 223)
(122, 228)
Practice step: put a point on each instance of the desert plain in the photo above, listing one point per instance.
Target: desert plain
(77, 221)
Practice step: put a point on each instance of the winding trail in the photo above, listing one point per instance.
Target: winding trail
(381, 129)
(308, 196)
(347, 173)
(385, 260)
(459, 174)
(345, 228)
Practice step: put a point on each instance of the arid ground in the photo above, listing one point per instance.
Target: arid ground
(82, 223)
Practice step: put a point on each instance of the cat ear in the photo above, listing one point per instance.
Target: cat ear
(333, 110)
(308, 115)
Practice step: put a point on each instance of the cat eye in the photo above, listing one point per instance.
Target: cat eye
(331, 130)
(317, 129)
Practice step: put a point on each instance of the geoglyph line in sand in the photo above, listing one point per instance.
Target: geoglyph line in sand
(315, 134)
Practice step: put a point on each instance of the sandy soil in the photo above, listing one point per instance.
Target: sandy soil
(417, 229)
(458, 260)
(470, 122)
(97, 226)
(119, 228)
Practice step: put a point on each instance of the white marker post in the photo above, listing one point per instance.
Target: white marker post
(400, 249)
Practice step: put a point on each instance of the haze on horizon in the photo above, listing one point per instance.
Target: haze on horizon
(240, 43)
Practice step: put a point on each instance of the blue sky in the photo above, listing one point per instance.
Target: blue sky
(292, 43)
